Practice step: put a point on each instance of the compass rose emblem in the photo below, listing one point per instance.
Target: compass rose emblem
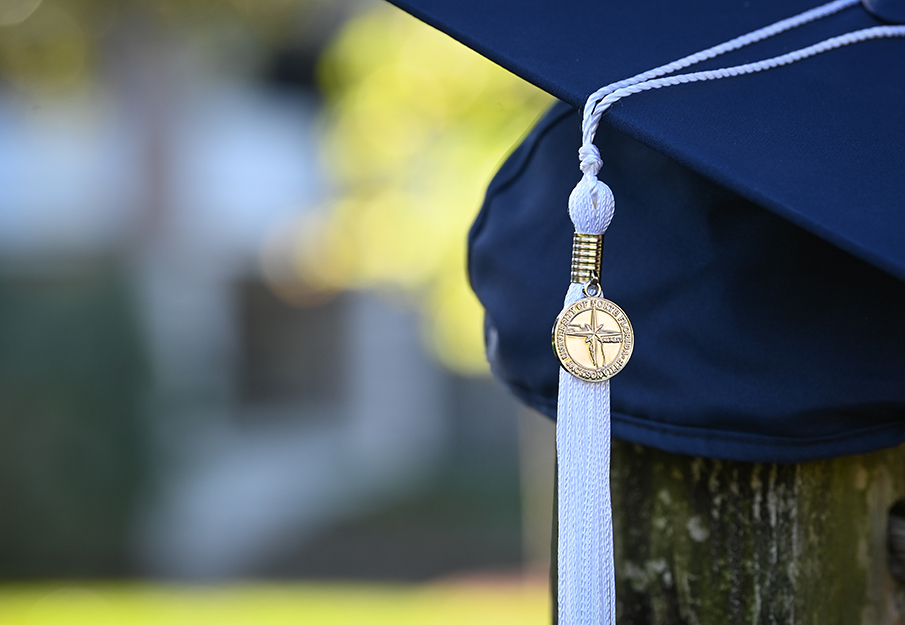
(593, 339)
(595, 335)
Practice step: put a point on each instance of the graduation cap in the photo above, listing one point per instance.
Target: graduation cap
(758, 242)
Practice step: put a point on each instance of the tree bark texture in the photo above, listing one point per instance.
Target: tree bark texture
(709, 542)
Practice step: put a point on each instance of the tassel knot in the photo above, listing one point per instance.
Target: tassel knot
(590, 159)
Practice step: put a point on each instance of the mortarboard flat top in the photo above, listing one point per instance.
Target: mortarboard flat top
(820, 142)
(756, 340)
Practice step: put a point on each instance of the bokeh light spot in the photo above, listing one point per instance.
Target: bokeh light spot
(16, 11)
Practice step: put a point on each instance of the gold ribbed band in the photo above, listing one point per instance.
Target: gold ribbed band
(587, 252)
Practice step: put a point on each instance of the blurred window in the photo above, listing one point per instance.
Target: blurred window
(290, 353)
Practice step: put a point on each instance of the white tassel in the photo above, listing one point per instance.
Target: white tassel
(586, 579)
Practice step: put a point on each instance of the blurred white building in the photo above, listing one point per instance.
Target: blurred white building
(269, 421)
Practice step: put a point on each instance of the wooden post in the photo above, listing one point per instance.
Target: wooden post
(710, 542)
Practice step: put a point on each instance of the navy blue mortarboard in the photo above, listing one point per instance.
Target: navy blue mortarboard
(759, 238)
(759, 243)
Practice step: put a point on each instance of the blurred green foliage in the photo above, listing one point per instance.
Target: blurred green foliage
(416, 124)
(49, 46)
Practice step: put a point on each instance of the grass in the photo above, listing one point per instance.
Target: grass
(472, 602)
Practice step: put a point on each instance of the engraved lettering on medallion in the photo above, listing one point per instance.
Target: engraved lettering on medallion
(594, 339)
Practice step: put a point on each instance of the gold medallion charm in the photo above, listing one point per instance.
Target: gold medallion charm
(593, 338)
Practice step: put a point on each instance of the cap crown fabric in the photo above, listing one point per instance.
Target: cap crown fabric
(754, 339)
(759, 238)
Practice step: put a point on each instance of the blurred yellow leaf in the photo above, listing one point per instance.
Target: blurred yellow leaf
(416, 124)
(45, 52)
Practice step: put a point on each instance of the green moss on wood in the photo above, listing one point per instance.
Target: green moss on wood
(710, 542)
